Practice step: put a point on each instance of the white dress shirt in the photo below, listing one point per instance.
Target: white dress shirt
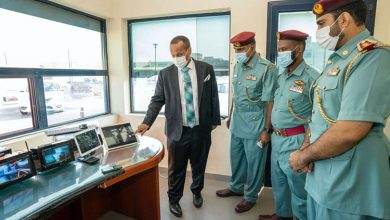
(194, 84)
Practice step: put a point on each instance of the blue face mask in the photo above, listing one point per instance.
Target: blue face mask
(284, 59)
(241, 57)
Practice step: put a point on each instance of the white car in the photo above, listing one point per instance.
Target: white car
(54, 99)
(9, 96)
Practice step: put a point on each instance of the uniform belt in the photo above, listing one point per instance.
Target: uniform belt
(286, 132)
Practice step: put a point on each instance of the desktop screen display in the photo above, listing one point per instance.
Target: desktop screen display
(87, 141)
(56, 155)
(119, 135)
(16, 169)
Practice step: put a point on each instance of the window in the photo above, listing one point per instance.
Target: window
(43, 43)
(70, 98)
(12, 91)
(297, 14)
(306, 21)
(52, 66)
(149, 52)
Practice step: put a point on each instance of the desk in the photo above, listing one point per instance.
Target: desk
(81, 191)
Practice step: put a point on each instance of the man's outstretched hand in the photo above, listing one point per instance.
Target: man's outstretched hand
(142, 128)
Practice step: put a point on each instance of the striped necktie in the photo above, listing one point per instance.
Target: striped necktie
(189, 97)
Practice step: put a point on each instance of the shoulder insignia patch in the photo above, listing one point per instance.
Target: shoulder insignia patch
(367, 45)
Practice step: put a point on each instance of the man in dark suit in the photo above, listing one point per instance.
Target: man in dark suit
(188, 89)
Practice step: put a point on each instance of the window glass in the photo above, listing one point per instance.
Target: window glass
(75, 97)
(15, 96)
(306, 22)
(34, 42)
(53, 66)
(209, 37)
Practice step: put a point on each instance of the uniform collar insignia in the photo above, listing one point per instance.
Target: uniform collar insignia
(299, 82)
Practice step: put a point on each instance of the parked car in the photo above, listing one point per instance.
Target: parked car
(9, 96)
(54, 98)
(80, 89)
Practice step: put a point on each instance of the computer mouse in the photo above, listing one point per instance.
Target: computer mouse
(83, 126)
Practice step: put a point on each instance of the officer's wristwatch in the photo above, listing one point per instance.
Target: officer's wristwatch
(269, 130)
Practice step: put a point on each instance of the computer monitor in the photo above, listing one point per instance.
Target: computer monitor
(87, 141)
(55, 154)
(16, 168)
(117, 136)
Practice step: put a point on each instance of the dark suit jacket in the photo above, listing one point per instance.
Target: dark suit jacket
(168, 93)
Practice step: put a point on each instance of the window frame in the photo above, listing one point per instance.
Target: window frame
(35, 80)
(130, 50)
(276, 7)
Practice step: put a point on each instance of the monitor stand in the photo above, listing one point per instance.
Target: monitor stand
(89, 159)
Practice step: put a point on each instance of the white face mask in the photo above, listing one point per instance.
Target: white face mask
(180, 62)
(324, 39)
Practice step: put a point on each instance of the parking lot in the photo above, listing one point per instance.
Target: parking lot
(12, 119)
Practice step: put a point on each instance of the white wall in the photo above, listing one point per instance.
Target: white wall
(382, 27)
(99, 8)
(245, 15)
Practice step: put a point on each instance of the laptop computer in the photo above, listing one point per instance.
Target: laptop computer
(118, 136)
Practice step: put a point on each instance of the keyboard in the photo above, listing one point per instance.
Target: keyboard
(62, 131)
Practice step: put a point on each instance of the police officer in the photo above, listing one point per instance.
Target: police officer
(350, 178)
(290, 117)
(254, 84)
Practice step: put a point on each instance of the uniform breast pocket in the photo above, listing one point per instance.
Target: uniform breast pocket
(252, 91)
(296, 97)
(329, 89)
(329, 85)
(253, 87)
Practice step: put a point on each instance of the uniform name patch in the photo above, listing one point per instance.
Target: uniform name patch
(251, 77)
(295, 88)
(334, 72)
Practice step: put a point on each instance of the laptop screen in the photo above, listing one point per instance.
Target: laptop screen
(15, 169)
(87, 141)
(56, 154)
(119, 135)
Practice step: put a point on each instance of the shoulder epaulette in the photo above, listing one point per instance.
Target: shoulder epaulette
(367, 45)
(363, 47)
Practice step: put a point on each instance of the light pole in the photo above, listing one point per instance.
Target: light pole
(69, 59)
(5, 58)
(155, 57)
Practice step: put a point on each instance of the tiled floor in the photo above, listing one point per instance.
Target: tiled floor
(213, 206)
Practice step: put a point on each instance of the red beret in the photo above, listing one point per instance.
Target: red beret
(292, 35)
(326, 6)
(243, 39)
